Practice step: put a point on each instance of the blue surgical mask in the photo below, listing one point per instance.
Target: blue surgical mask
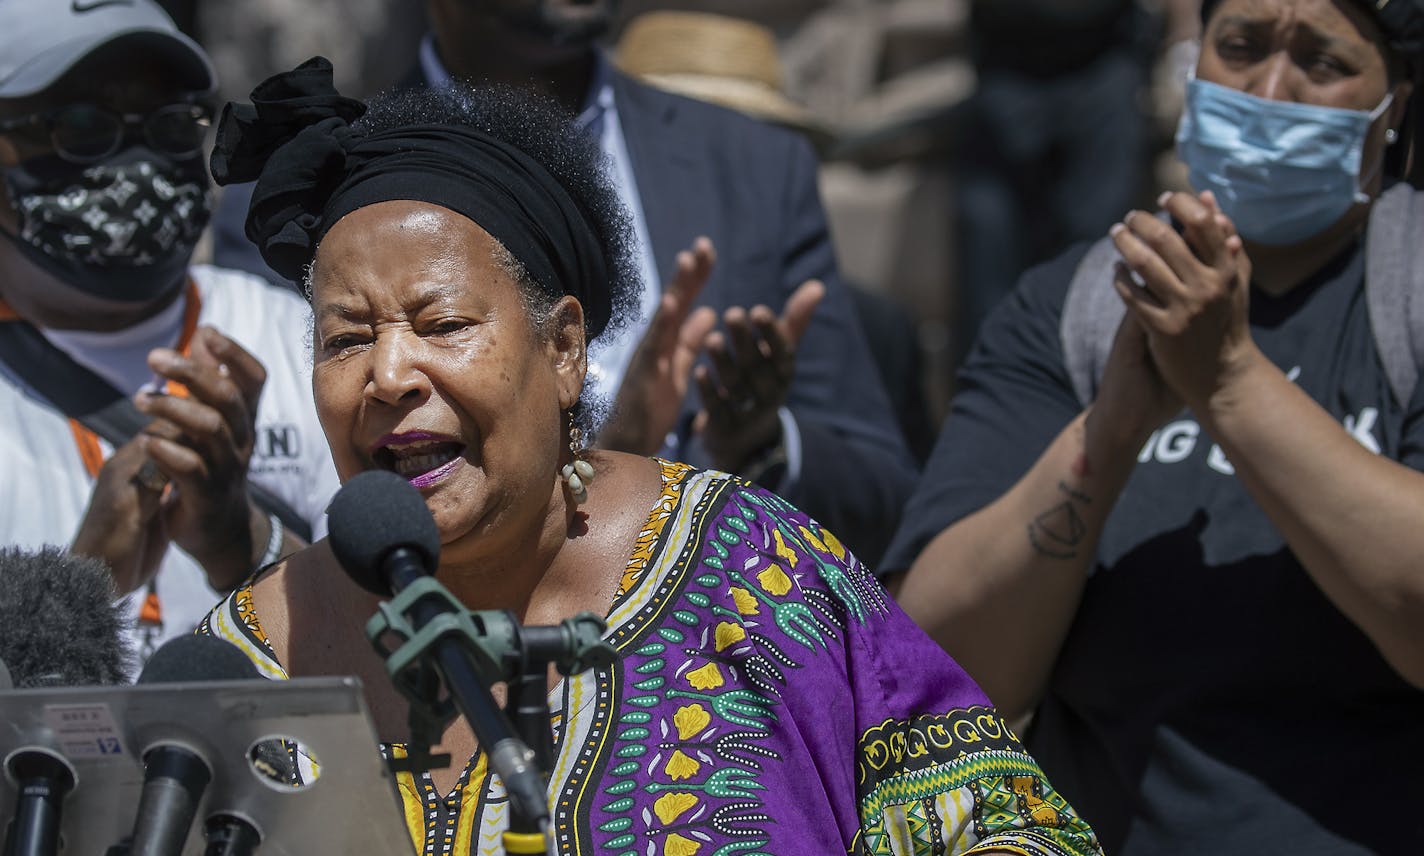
(1283, 172)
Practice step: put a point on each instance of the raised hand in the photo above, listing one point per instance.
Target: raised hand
(749, 376)
(657, 378)
(202, 442)
(122, 526)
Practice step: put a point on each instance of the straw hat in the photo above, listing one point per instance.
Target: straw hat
(726, 61)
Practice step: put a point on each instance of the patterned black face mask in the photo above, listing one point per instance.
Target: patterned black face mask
(123, 229)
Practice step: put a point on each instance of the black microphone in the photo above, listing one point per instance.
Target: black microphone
(385, 538)
(61, 624)
(175, 775)
(230, 835)
(43, 779)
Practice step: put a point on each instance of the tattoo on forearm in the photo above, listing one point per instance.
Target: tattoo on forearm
(1058, 532)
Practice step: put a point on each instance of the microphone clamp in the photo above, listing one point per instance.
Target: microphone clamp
(501, 649)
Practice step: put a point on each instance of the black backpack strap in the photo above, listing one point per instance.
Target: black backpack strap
(69, 387)
(79, 394)
(1394, 286)
(1092, 312)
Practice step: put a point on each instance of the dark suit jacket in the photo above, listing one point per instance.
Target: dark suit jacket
(751, 188)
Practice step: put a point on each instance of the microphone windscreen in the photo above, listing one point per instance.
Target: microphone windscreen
(62, 623)
(197, 658)
(373, 514)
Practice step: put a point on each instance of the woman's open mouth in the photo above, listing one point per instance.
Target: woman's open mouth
(422, 460)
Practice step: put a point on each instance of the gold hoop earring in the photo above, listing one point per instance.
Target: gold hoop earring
(578, 474)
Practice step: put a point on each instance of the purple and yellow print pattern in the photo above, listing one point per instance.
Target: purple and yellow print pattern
(770, 699)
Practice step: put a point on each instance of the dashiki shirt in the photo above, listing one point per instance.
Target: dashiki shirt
(770, 699)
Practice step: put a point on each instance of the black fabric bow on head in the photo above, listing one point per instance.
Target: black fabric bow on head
(1403, 25)
(292, 141)
(312, 168)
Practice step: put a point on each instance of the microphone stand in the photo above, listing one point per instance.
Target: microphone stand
(572, 647)
(494, 648)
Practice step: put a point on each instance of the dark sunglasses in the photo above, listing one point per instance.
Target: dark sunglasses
(84, 133)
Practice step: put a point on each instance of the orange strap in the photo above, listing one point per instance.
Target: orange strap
(194, 306)
(151, 612)
(89, 449)
(87, 441)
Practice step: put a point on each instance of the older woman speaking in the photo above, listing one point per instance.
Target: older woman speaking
(460, 254)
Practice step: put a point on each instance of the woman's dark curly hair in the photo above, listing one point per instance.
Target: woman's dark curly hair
(538, 127)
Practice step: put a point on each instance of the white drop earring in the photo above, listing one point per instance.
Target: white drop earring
(1391, 136)
(578, 474)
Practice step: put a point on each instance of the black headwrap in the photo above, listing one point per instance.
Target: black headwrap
(312, 168)
(1401, 21)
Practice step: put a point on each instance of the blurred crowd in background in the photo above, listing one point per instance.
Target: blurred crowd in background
(929, 183)
(1171, 528)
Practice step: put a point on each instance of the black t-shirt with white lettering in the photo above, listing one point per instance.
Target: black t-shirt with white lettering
(1208, 698)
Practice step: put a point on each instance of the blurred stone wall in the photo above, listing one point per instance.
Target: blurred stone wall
(890, 78)
(371, 43)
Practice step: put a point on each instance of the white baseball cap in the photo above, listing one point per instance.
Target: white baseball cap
(40, 40)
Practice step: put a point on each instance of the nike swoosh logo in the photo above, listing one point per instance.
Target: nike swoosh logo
(81, 8)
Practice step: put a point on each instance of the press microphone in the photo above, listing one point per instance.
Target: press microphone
(42, 779)
(61, 624)
(175, 775)
(386, 539)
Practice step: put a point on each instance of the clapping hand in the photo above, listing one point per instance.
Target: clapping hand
(122, 526)
(202, 443)
(749, 375)
(1190, 292)
(743, 385)
(657, 378)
